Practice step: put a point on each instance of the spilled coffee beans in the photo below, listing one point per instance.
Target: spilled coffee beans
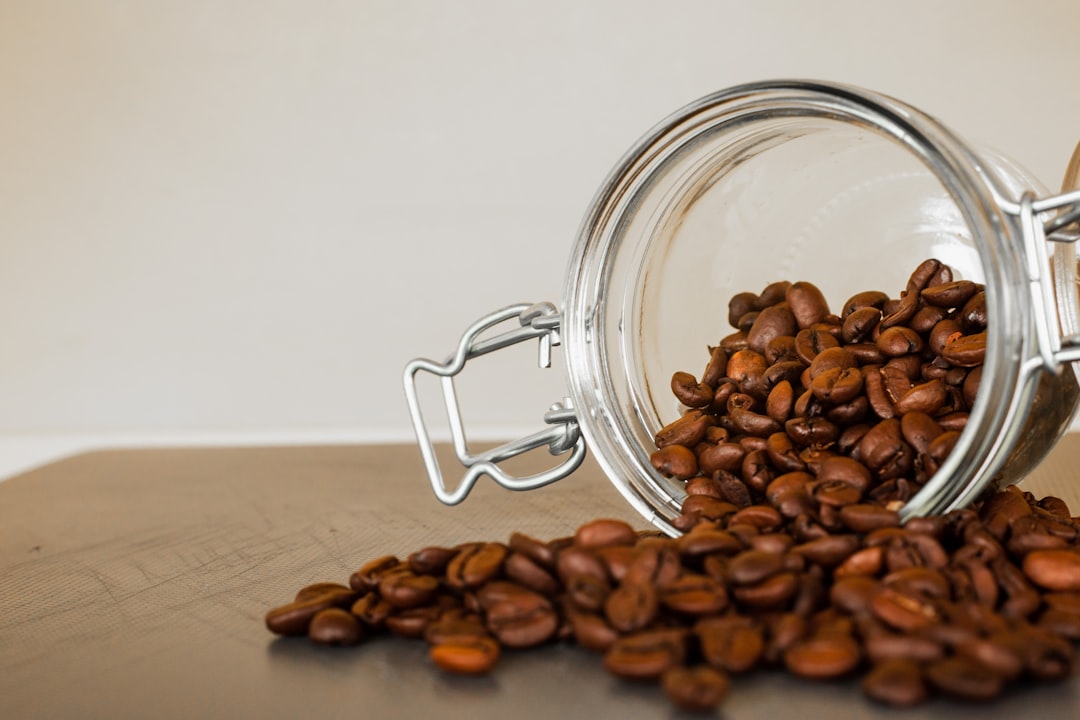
(803, 437)
(962, 605)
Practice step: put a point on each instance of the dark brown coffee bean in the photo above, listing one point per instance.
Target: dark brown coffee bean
(772, 594)
(372, 610)
(973, 314)
(676, 461)
(475, 564)
(525, 621)
(876, 395)
(587, 592)
(335, 626)
(605, 532)
(762, 517)
(810, 342)
(966, 350)
(406, 590)
(771, 322)
(687, 431)
(782, 454)
(690, 392)
(368, 576)
(867, 518)
(726, 456)
(868, 298)
(344, 594)
(706, 507)
(694, 594)
(899, 340)
(632, 606)
(774, 292)
(788, 493)
(884, 451)
(964, 678)
(925, 318)
(295, 618)
(539, 552)
(731, 643)
(823, 657)
(859, 324)
(781, 400)
(928, 397)
(828, 551)
(526, 571)
(739, 305)
(466, 655)
(430, 560)
(896, 682)
(695, 689)
(902, 611)
(646, 655)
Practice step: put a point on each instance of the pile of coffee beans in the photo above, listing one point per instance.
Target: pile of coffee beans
(799, 444)
(962, 604)
(800, 403)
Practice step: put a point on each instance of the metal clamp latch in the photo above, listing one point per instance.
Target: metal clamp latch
(540, 321)
(1054, 350)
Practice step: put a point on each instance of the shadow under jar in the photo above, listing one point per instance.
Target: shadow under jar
(787, 180)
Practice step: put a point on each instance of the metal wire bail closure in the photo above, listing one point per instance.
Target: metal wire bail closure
(535, 321)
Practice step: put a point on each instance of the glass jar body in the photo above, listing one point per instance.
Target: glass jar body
(799, 181)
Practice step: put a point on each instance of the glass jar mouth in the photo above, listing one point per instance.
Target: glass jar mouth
(622, 240)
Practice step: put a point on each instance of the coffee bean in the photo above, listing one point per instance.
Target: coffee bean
(732, 643)
(632, 606)
(823, 657)
(646, 655)
(896, 682)
(964, 678)
(1057, 570)
(696, 689)
(476, 655)
(335, 626)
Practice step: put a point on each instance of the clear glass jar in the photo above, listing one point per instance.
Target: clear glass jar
(790, 180)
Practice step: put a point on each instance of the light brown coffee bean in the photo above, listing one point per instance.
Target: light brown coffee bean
(605, 532)
(1057, 570)
(476, 655)
(823, 657)
(731, 643)
(632, 606)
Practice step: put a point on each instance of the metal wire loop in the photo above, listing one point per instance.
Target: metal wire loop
(562, 434)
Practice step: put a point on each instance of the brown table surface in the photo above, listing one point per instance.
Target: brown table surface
(134, 584)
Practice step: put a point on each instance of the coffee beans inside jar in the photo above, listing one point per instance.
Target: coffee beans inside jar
(803, 437)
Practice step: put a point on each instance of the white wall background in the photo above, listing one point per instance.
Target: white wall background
(236, 221)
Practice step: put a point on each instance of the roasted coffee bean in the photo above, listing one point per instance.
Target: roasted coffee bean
(475, 564)
(823, 657)
(466, 655)
(646, 655)
(632, 606)
(295, 617)
(771, 322)
(739, 305)
(525, 621)
(1057, 570)
(406, 590)
(966, 350)
(696, 689)
(965, 678)
(897, 682)
(526, 571)
(335, 626)
(688, 430)
(726, 456)
(690, 392)
(369, 574)
(731, 643)
(676, 461)
(320, 589)
(430, 560)
(605, 532)
(694, 594)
